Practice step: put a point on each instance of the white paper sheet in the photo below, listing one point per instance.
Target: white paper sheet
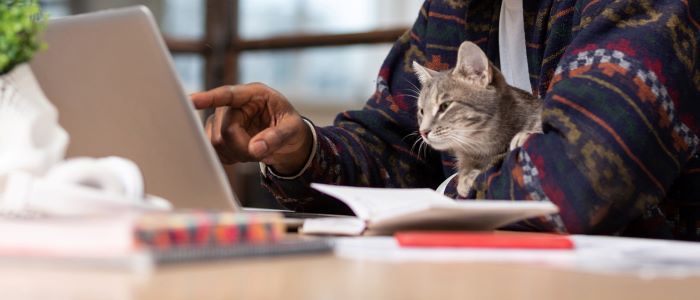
(333, 226)
(391, 199)
(645, 258)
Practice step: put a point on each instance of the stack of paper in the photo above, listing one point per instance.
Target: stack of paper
(139, 241)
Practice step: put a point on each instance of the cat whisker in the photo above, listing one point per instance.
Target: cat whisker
(417, 142)
(462, 143)
(413, 85)
(411, 91)
(473, 145)
(422, 148)
(467, 130)
(466, 133)
(472, 141)
(464, 140)
(420, 144)
(409, 135)
(425, 149)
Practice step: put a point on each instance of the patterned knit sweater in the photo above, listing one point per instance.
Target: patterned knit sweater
(620, 81)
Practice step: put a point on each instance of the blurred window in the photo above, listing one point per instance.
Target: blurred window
(317, 76)
(262, 19)
(341, 76)
(190, 67)
(181, 19)
(336, 77)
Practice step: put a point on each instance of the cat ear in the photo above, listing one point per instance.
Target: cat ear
(472, 64)
(424, 74)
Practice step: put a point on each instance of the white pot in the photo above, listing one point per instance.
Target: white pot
(31, 140)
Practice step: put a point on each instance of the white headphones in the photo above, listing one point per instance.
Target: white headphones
(82, 186)
(112, 175)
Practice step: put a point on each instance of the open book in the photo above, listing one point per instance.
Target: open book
(384, 211)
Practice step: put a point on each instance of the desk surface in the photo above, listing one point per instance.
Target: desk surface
(329, 277)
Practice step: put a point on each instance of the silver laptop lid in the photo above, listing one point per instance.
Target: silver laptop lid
(117, 93)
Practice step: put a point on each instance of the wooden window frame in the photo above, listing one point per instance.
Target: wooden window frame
(222, 46)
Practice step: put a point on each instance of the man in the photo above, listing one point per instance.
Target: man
(620, 81)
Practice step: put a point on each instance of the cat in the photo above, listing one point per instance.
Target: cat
(471, 112)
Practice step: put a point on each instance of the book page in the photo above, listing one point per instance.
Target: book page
(371, 203)
(333, 226)
(388, 210)
(463, 215)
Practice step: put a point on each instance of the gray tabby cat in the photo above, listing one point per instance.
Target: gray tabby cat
(473, 113)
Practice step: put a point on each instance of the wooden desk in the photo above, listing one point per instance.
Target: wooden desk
(329, 277)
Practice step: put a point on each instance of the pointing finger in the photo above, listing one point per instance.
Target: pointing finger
(229, 95)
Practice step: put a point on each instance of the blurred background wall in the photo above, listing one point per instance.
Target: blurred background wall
(323, 55)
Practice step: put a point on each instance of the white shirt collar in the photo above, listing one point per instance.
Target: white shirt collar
(511, 45)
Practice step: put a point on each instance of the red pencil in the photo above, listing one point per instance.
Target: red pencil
(515, 240)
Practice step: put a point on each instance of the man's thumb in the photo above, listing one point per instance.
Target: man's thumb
(267, 141)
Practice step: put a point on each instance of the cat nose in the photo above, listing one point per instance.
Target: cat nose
(424, 133)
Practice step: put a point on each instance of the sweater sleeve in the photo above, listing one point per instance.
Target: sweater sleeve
(376, 146)
(619, 120)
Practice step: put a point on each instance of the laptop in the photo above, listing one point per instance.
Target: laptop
(112, 80)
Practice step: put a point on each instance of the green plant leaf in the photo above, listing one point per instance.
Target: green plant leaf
(21, 22)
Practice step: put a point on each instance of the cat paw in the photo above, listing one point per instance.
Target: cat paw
(465, 182)
(519, 140)
(462, 188)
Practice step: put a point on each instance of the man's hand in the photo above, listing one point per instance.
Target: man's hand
(253, 122)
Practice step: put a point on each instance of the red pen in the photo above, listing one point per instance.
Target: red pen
(510, 240)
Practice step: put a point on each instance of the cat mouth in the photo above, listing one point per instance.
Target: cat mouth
(439, 144)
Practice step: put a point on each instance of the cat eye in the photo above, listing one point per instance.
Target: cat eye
(420, 111)
(443, 106)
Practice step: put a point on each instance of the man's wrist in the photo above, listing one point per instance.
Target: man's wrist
(267, 171)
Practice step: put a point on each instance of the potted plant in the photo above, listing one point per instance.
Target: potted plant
(30, 138)
(21, 22)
